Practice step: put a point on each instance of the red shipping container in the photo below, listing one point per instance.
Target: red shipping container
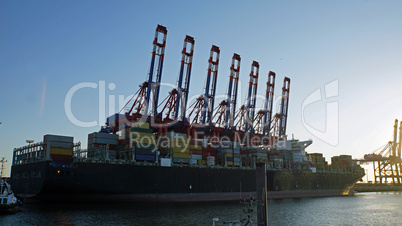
(211, 153)
(196, 152)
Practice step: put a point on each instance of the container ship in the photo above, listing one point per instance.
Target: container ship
(58, 169)
(156, 152)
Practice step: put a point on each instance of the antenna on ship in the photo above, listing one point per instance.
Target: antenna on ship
(3, 160)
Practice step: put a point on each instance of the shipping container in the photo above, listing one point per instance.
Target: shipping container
(143, 125)
(145, 157)
(142, 130)
(144, 146)
(196, 152)
(61, 151)
(65, 139)
(229, 159)
(196, 156)
(140, 151)
(167, 162)
(58, 144)
(195, 147)
(61, 158)
(181, 155)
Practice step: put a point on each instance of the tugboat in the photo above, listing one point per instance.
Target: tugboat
(8, 202)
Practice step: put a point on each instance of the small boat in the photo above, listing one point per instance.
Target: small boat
(8, 202)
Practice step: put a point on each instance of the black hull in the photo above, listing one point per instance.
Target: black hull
(137, 183)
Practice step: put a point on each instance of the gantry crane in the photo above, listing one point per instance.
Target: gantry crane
(210, 88)
(224, 114)
(264, 117)
(387, 162)
(245, 123)
(143, 96)
(158, 52)
(284, 107)
(202, 109)
(232, 93)
(176, 103)
(139, 109)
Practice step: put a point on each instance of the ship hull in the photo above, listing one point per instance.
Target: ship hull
(137, 183)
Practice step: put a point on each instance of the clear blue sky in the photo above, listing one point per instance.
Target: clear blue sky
(47, 47)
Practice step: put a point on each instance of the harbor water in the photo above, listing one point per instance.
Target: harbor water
(372, 208)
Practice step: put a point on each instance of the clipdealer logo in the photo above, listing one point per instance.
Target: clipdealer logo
(330, 134)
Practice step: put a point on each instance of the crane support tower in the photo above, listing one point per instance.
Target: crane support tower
(176, 103)
(210, 87)
(232, 94)
(251, 98)
(157, 52)
(226, 110)
(284, 107)
(186, 61)
(269, 102)
(263, 119)
(387, 163)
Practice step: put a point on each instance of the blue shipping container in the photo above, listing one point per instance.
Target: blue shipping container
(145, 157)
(139, 151)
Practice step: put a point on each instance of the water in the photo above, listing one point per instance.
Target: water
(361, 209)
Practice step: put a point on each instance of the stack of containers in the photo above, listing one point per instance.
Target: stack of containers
(180, 146)
(342, 162)
(208, 153)
(276, 159)
(231, 153)
(60, 149)
(142, 141)
(102, 141)
(318, 159)
(258, 152)
(196, 152)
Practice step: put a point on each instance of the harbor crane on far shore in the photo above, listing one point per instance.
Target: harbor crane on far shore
(387, 161)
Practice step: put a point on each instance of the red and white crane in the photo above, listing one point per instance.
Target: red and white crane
(176, 103)
(251, 97)
(224, 115)
(284, 107)
(264, 116)
(202, 109)
(143, 96)
(139, 109)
